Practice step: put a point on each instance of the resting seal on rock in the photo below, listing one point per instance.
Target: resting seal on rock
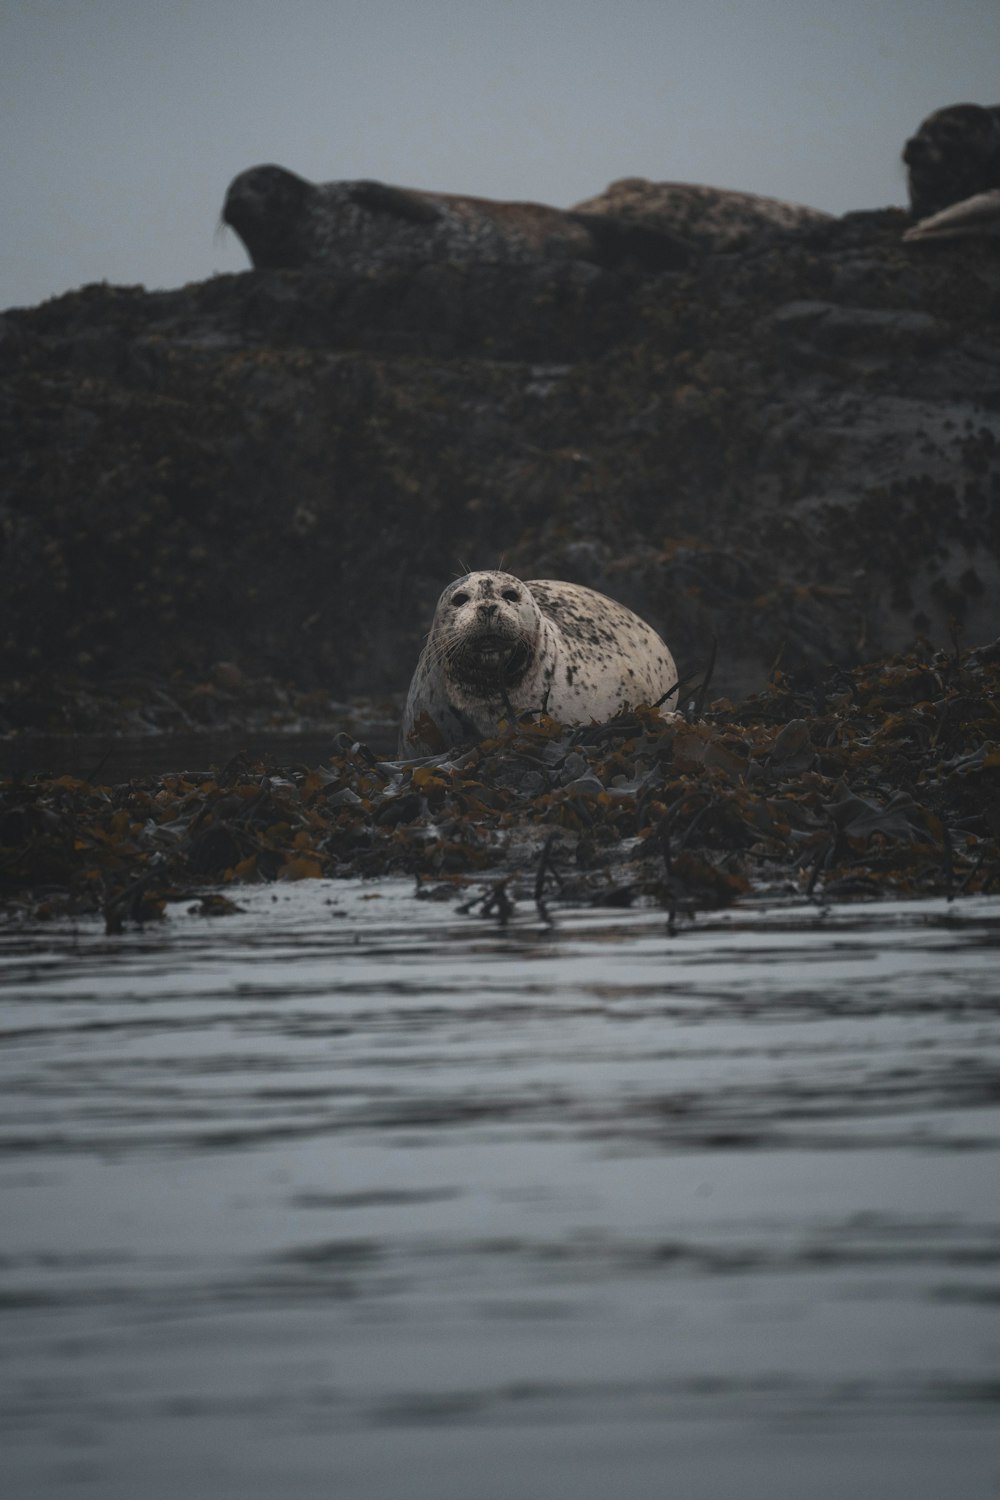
(971, 219)
(711, 218)
(498, 648)
(288, 223)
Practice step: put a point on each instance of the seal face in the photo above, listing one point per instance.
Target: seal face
(288, 223)
(498, 648)
(954, 155)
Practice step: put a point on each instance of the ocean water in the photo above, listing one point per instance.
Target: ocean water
(350, 1194)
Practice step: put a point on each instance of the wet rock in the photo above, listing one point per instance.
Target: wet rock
(859, 330)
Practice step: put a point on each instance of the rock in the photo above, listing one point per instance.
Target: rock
(859, 330)
(793, 448)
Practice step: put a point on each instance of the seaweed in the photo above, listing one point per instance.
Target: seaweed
(884, 780)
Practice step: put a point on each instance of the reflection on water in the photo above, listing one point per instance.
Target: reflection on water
(349, 1195)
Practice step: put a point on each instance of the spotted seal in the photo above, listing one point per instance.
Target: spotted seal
(711, 218)
(498, 648)
(289, 223)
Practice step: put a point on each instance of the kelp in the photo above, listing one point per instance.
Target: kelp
(880, 781)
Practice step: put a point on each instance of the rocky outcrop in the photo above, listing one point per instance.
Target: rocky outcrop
(793, 447)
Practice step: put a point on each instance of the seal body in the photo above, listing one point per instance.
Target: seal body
(498, 648)
(714, 219)
(289, 223)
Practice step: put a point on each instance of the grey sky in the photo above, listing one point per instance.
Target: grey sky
(124, 120)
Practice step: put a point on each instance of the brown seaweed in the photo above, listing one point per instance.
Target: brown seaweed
(885, 780)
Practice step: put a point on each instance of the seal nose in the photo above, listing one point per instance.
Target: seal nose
(487, 611)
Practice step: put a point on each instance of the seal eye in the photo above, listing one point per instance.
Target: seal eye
(459, 598)
(511, 594)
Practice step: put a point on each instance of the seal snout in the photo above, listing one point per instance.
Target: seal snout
(264, 205)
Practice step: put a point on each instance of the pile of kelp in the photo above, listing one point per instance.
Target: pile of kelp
(880, 781)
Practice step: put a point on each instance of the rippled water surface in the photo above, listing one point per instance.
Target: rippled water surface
(350, 1195)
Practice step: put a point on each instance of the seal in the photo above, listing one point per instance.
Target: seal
(498, 648)
(713, 219)
(972, 218)
(289, 223)
(954, 155)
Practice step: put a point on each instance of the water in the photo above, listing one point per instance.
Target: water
(349, 1195)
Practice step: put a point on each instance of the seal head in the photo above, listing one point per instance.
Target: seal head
(270, 208)
(489, 634)
(954, 155)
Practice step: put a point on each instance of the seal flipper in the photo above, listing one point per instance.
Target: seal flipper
(401, 203)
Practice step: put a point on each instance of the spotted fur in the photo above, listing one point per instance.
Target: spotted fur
(498, 648)
(710, 217)
(288, 223)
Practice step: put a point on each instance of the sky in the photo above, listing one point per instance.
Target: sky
(125, 120)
